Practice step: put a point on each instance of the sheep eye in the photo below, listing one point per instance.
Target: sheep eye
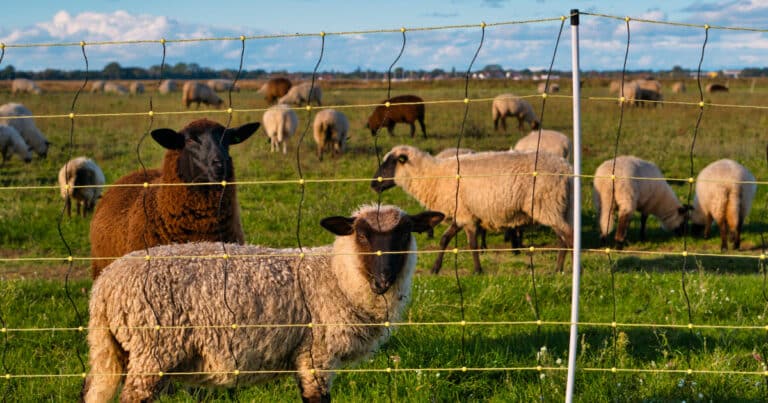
(402, 159)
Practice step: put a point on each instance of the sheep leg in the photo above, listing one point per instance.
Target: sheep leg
(472, 238)
(141, 387)
(643, 220)
(68, 206)
(413, 129)
(447, 236)
(723, 235)
(737, 234)
(515, 237)
(423, 128)
(621, 231)
(504, 123)
(313, 388)
(707, 226)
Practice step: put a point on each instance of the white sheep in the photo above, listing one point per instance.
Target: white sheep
(136, 88)
(330, 130)
(638, 186)
(25, 126)
(222, 85)
(280, 123)
(25, 85)
(300, 95)
(97, 86)
(552, 142)
(344, 294)
(678, 87)
(81, 179)
(199, 93)
(115, 88)
(168, 86)
(11, 143)
(509, 105)
(495, 191)
(553, 87)
(724, 192)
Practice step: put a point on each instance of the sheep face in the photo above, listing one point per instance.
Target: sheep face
(203, 148)
(398, 157)
(389, 233)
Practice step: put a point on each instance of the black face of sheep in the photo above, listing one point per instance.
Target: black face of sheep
(384, 268)
(387, 172)
(204, 149)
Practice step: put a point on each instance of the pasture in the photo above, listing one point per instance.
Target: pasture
(653, 285)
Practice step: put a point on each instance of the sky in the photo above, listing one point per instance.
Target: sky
(603, 41)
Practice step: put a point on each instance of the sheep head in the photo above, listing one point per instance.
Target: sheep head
(393, 162)
(203, 149)
(385, 229)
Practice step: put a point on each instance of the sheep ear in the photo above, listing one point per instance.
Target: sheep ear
(240, 134)
(168, 138)
(426, 220)
(339, 225)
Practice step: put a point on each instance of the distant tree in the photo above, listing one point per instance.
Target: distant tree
(9, 72)
(112, 71)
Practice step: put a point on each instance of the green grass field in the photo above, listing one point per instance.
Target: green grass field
(647, 284)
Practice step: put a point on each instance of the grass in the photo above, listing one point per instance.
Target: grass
(649, 286)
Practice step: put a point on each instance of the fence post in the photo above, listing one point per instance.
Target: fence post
(576, 257)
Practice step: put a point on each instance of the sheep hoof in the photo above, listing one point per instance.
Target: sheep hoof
(435, 270)
(620, 245)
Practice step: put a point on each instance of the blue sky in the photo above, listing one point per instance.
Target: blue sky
(517, 46)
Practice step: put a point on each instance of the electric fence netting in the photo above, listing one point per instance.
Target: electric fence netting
(656, 311)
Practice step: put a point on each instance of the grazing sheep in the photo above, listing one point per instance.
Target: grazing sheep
(553, 87)
(344, 295)
(402, 109)
(614, 87)
(78, 172)
(552, 142)
(629, 92)
(302, 94)
(509, 105)
(97, 86)
(25, 126)
(724, 192)
(129, 219)
(506, 199)
(330, 130)
(678, 87)
(25, 85)
(115, 88)
(274, 88)
(11, 143)
(168, 86)
(713, 87)
(199, 93)
(648, 84)
(222, 85)
(280, 123)
(136, 88)
(628, 193)
(643, 95)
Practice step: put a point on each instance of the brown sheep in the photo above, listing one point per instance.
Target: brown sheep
(199, 93)
(384, 116)
(129, 219)
(274, 89)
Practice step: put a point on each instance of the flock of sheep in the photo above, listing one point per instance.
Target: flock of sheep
(137, 237)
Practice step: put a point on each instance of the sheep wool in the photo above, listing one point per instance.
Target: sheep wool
(199, 93)
(551, 141)
(330, 130)
(509, 105)
(25, 126)
(78, 172)
(302, 94)
(11, 143)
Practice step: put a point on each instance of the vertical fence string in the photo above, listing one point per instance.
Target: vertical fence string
(764, 288)
(3, 325)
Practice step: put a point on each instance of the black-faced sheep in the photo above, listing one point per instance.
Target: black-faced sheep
(495, 191)
(11, 143)
(274, 89)
(402, 109)
(302, 94)
(724, 193)
(81, 180)
(280, 123)
(345, 290)
(25, 85)
(129, 219)
(199, 93)
(638, 186)
(25, 126)
(509, 105)
(330, 130)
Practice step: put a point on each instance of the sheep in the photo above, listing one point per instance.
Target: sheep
(25, 85)
(714, 87)
(452, 152)
(628, 192)
(629, 93)
(509, 105)
(168, 86)
(11, 143)
(25, 126)
(222, 85)
(274, 88)
(648, 84)
(614, 87)
(136, 88)
(343, 294)
(551, 141)
(75, 174)
(115, 88)
(553, 87)
(505, 200)
(678, 87)
(643, 95)
(280, 123)
(330, 130)
(302, 94)
(97, 86)
(128, 219)
(724, 192)
(401, 109)
(199, 93)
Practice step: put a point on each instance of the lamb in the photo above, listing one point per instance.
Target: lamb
(25, 126)
(509, 105)
(724, 192)
(80, 179)
(714, 87)
(330, 130)
(25, 85)
(280, 123)
(274, 88)
(136, 88)
(97, 86)
(502, 201)
(196, 157)
(302, 94)
(115, 88)
(168, 86)
(343, 294)
(552, 142)
(650, 195)
(199, 93)
(553, 87)
(222, 85)
(402, 109)
(11, 143)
